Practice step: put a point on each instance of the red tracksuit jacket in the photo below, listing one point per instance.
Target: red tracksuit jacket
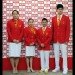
(29, 35)
(15, 32)
(44, 38)
(61, 33)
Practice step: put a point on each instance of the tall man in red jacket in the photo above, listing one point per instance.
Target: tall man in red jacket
(61, 33)
(44, 37)
(15, 29)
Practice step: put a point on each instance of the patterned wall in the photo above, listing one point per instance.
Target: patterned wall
(36, 9)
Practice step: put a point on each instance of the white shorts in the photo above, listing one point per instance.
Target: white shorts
(14, 50)
(30, 50)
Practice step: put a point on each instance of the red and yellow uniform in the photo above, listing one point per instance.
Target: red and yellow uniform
(44, 37)
(61, 32)
(29, 35)
(15, 30)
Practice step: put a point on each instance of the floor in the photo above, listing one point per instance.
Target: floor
(35, 73)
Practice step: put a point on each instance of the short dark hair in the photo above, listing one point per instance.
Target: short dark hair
(30, 19)
(59, 6)
(16, 11)
(44, 19)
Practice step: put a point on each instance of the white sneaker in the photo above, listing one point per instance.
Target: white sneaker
(65, 71)
(56, 70)
(46, 70)
(42, 70)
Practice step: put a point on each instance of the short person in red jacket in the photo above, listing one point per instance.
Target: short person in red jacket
(15, 29)
(44, 37)
(30, 42)
(61, 33)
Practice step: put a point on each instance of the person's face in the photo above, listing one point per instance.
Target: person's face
(31, 23)
(44, 23)
(60, 11)
(15, 15)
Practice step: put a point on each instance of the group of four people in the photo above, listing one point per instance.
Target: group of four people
(58, 35)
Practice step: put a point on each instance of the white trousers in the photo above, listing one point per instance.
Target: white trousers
(44, 55)
(63, 48)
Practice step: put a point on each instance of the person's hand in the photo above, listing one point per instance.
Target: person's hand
(17, 41)
(14, 40)
(42, 45)
(32, 44)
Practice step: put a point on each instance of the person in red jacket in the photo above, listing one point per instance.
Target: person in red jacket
(61, 33)
(30, 42)
(44, 37)
(15, 34)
